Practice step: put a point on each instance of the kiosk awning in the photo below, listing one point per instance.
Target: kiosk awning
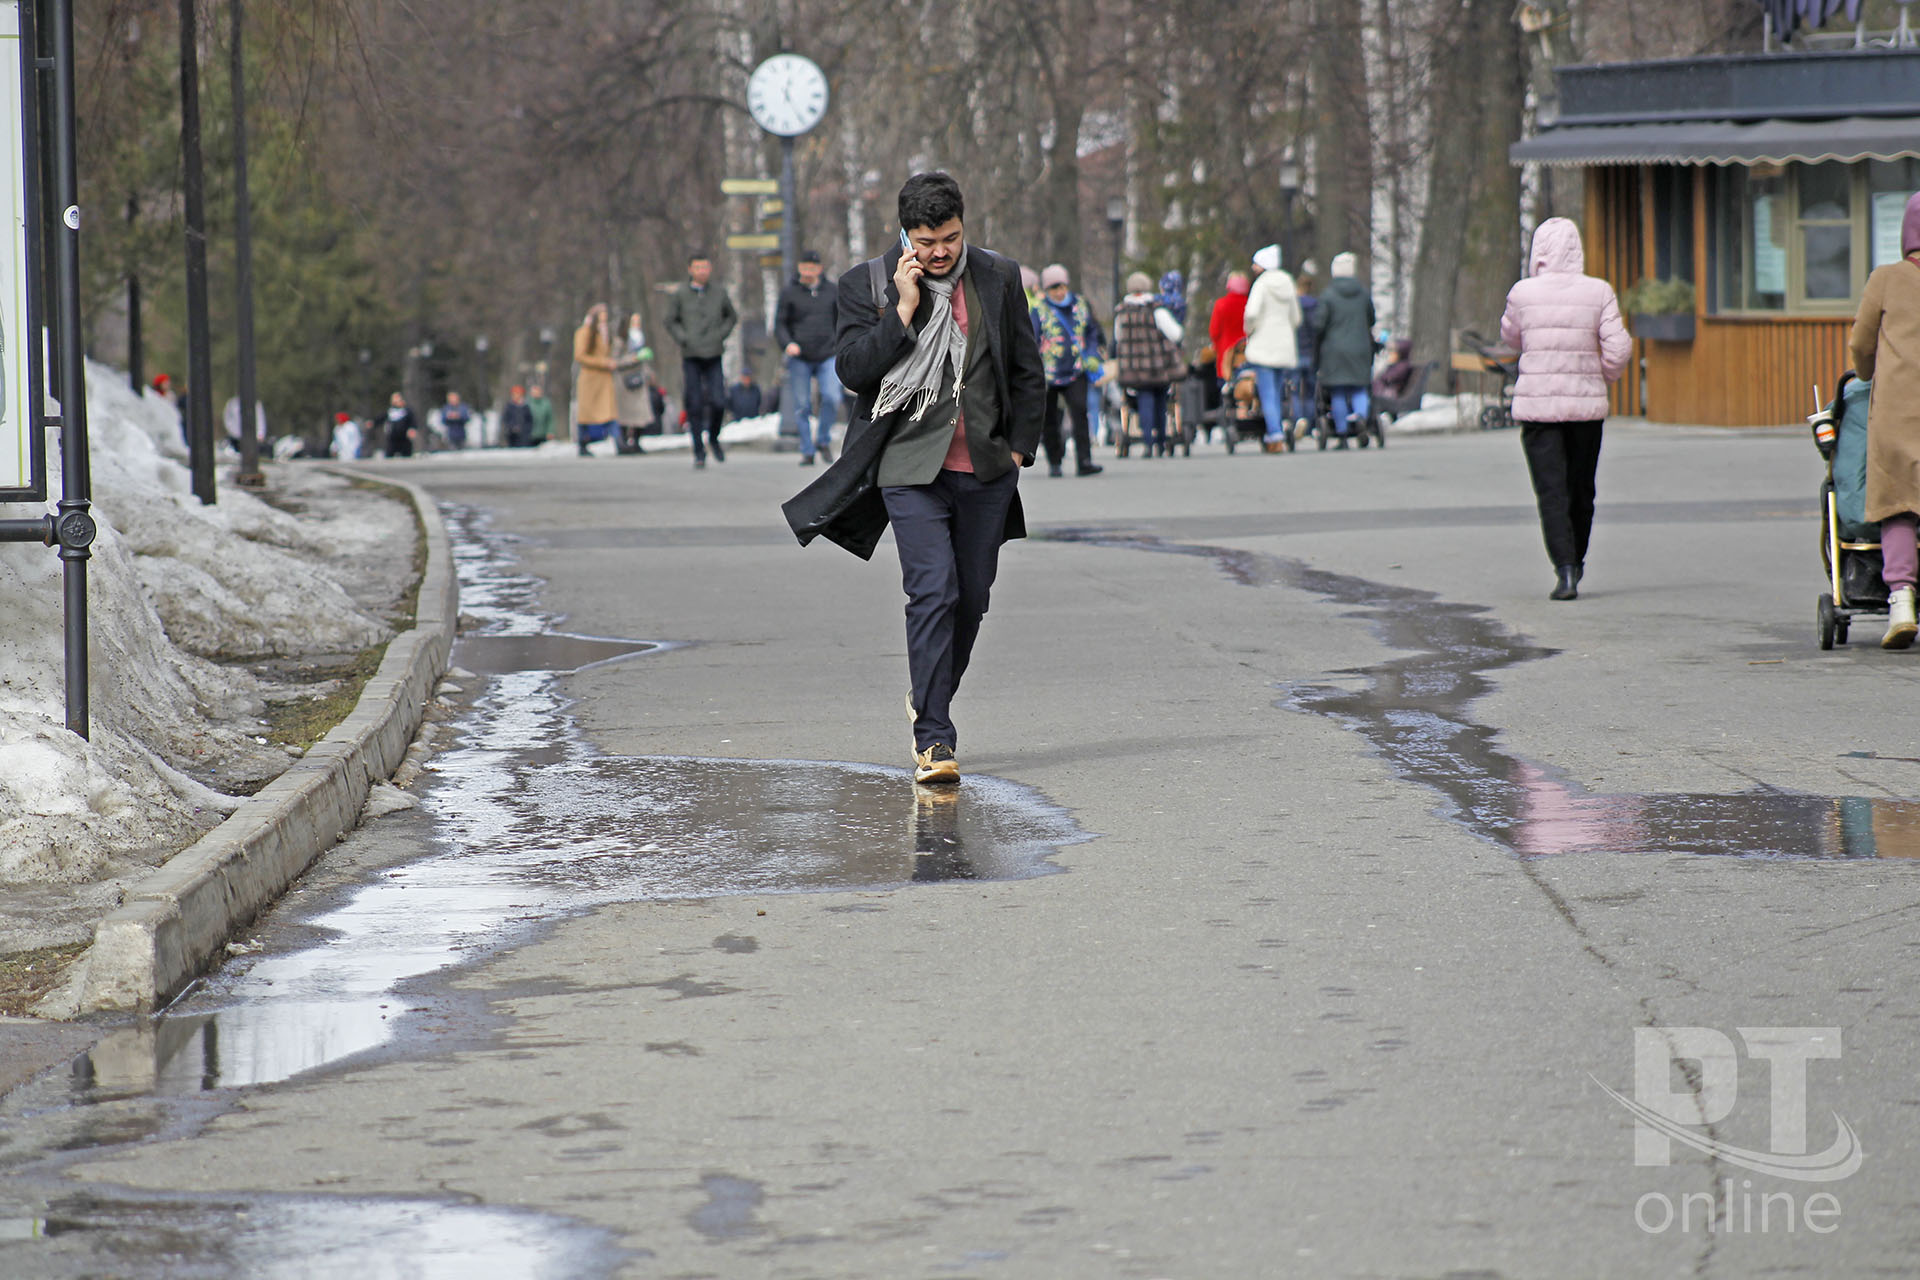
(1721, 142)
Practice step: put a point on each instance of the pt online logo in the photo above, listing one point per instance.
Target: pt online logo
(1664, 1116)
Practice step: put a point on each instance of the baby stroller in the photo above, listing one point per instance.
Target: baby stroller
(1849, 546)
(1501, 360)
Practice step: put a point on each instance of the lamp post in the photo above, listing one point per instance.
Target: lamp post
(1117, 222)
(366, 384)
(481, 393)
(1289, 188)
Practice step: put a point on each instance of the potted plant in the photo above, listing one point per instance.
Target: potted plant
(1661, 310)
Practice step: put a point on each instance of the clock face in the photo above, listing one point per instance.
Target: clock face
(787, 95)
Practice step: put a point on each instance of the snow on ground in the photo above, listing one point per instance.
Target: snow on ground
(758, 430)
(169, 582)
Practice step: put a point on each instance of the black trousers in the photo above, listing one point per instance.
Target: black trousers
(1562, 458)
(948, 534)
(706, 395)
(1075, 396)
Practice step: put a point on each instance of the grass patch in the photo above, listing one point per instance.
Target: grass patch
(301, 722)
(26, 976)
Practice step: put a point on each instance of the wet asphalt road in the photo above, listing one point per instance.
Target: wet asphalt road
(1388, 872)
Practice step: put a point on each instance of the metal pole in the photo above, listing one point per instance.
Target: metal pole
(136, 347)
(74, 526)
(200, 437)
(243, 261)
(789, 255)
(1118, 228)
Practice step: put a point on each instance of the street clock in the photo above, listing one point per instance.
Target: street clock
(787, 95)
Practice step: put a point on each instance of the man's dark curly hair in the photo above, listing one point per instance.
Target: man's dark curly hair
(930, 200)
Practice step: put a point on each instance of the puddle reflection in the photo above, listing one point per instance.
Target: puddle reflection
(283, 1238)
(1414, 710)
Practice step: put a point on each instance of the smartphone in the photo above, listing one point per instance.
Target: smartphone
(906, 245)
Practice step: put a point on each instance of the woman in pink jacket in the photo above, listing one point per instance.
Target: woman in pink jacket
(1566, 326)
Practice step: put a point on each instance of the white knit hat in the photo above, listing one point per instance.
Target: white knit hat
(1268, 259)
(1344, 264)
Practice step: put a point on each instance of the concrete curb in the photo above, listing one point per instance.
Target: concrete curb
(177, 921)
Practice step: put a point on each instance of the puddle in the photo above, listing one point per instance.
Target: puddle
(295, 1238)
(531, 823)
(557, 651)
(1413, 710)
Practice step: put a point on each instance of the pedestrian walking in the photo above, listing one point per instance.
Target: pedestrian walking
(403, 429)
(1146, 339)
(699, 317)
(516, 419)
(1885, 346)
(1272, 323)
(803, 324)
(743, 397)
(1070, 339)
(1343, 347)
(595, 415)
(1227, 326)
(346, 437)
(1566, 326)
(951, 399)
(1302, 385)
(541, 409)
(455, 417)
(630, 387)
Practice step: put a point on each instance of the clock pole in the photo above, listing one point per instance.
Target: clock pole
(787, 250)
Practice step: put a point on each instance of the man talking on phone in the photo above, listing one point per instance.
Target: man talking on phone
(951, 396)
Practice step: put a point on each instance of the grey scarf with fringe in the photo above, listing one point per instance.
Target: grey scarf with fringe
(915, 381)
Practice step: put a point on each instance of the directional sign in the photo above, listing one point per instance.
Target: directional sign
(749, 186)
(753, 242)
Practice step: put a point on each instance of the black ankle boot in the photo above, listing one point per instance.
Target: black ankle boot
(1568, 586)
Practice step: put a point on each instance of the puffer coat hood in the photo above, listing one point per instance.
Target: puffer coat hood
(1557, 250)
(1566, 326)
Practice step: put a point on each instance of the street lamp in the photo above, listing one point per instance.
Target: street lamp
(480, 345)
(1289, 188)
(1117, 221)
(366, 384)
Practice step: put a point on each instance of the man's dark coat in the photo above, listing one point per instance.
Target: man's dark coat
(844, 504)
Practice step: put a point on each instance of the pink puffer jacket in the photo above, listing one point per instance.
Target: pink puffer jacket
(1566, 326)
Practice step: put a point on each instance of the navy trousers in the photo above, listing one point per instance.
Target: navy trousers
(949, 535)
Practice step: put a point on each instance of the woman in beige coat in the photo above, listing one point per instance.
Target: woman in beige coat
(594, 365)
(1886, 352)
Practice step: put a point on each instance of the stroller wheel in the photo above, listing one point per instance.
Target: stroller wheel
(1828, 622)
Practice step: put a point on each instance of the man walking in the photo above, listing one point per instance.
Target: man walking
(803, 324)
(938, 346)
(455, 418)
(1069, 339)
(699, 317)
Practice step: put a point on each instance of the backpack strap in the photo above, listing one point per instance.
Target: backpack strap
(877, 281)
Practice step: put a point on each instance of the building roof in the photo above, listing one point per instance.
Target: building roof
(1722, 142)
(1745, 109)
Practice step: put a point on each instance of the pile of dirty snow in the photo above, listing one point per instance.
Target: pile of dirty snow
(171, 584)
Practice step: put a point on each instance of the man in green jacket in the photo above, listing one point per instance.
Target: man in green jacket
(700, 315)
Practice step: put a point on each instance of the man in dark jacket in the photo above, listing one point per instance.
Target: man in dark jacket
(699, 317)
(803, 325)
(951, 397)
(516, 419)
(743, 397)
